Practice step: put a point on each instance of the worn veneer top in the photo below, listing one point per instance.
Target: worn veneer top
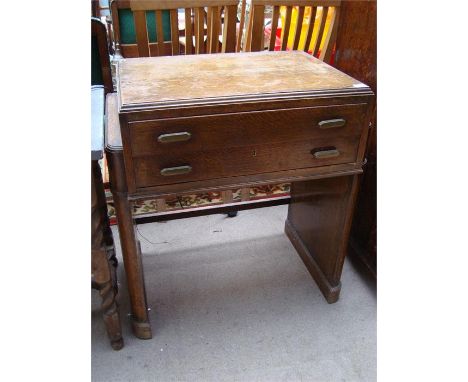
(160, 81)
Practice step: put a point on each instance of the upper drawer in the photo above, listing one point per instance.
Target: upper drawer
(241, 129)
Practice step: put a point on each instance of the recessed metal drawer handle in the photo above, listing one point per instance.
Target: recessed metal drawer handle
(175, 137)
(323, 154)
(328, 124)
(169, 171)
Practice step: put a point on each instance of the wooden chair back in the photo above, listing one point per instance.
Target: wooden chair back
(256, 24)
(100, 64)
(167, 39)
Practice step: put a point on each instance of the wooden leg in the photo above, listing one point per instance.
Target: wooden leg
(103, 271)
(106, 284)
(111, 316)
(133, 267)
(130, 247)
(318, 225)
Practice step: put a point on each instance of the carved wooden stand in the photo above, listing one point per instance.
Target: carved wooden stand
(103, 260)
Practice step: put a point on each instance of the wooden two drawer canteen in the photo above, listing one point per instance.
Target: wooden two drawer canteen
(212, 130)
(218, 122)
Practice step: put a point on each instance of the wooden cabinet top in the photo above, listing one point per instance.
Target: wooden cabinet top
(176, 81)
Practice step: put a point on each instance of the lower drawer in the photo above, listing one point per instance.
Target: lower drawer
(246, 160)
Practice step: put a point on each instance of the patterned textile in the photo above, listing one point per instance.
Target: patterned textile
(150, 206)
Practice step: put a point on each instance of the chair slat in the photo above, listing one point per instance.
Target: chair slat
(330, 39)
(220, 21)
(241, 26)
(274, 27)
(175, 32)
(286, 27)
(188, 31)
(159, 32)
(141, 33)
(248, 37)
(229, 31)
(310, 30)
(213, 31)
(297, 35)
(199, 30)
(323, 20)
(257, 28)
(115, 24)
(216, 28)
(208, 30)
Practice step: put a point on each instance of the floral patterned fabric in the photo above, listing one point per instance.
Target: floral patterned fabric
(150, 206)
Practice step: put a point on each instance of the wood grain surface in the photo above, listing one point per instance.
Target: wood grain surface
(245, 160)
(155, 80)
(243, 129)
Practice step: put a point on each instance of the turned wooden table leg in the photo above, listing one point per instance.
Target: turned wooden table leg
(111, 315)
(103, 269)
(105, 283)
(130, 248)
(318, 225)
